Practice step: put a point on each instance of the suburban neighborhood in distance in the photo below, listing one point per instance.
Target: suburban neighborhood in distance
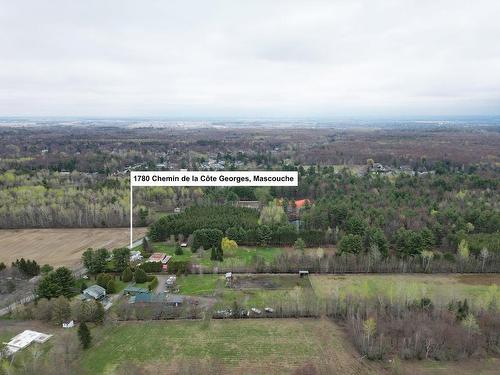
(135, 241)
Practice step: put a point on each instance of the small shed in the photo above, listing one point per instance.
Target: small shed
(303, 273)
(71, 324)
(174, 300)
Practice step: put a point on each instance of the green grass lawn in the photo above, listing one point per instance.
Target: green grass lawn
(246, 255)
(480, 290)
(259, 346)
(199, 285)
(240, 257)
(253, 291)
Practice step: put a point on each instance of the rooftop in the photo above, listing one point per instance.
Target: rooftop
(24, 339)
(95, 291)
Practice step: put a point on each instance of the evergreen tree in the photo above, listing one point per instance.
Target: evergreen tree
(121, 258)
(99, 313)
(111, 286)
(351, 243)
(127, 275)
(178, 249)
(140, 276)
(146, 247)
(84, 335)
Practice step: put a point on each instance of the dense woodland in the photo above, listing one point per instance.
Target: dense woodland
(406, 215)
(417, 212)
(432, 198)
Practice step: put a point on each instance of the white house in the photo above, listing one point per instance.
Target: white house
(135, 256)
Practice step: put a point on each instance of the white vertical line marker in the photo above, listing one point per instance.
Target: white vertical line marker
(131, 211)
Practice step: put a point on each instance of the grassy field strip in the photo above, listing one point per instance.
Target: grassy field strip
(480, 290)
(277, 346)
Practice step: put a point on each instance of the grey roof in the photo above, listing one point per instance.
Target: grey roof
(174, 299)
(95, 291)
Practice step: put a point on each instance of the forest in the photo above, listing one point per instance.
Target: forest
(404, 215)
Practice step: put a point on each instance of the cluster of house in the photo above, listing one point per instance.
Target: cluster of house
(218, 165)
(144, 296)
(136, 256)
(379, 168)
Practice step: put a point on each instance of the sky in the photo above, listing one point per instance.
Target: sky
(249, 58)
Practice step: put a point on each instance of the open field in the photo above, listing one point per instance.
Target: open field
(59, 247)
(262, 290)
(255, 346)
(258, 290)
(243, 255)
(480, 290)
(241, 346)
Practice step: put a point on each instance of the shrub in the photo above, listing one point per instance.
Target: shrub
(46, 268)
(178, 250)
(154, 284)
(228, 245)
(111, 287)
(151, 266)
(299, 244)
(178, 266)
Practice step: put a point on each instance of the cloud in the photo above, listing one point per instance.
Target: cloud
(249, 58)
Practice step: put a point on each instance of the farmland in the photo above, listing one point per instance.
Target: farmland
(250, 346)
(59, 247)
(480, 290)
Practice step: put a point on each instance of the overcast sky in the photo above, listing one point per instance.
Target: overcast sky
(249, 58)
